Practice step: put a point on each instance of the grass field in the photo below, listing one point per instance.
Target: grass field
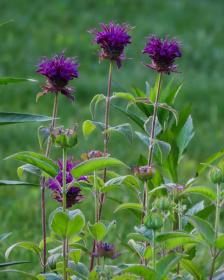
(42, 28)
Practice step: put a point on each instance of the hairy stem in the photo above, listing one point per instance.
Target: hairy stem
(65, 244)
(42, 183)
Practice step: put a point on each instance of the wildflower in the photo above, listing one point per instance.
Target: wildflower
(145, 172)
(163, 54)
(58, 70)
(106, 250)
(73, 194)
(112, 39)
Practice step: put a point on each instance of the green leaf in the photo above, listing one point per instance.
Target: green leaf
(60, 224)
(12, 80)
(49, 276)
(38, 160)
(133, 206)
(12, 263)
(125, 276)
(219, 242)
(98, 231)
(165, 265)
(210, 160)
(170, 109)
(191, 268)
(67, 224)
(28, 168)
(24, 274)
(94, 164)
(13, 118)
(94, 102)
(148, 126)
(204, 229)
(124, 129)
(89, 126)
(204, 191)
(128, 180)
(30, 246)
(43, 135)
(3, 236)
(180, 241)
(164, 236)
(75, 255)
(15, 183)
(142, 271)
(185, 136)
(138, 247)
(124, 95)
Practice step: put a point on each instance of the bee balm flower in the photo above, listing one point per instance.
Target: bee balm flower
(112, 39)
(58, 70)
(73, 194)
(163, 54)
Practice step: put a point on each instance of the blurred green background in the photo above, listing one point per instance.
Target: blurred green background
(43, 28)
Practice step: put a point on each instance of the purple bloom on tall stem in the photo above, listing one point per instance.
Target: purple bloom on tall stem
(163, 54)
(106, 250)
(58, 70)
(73, 194)
(112, 39)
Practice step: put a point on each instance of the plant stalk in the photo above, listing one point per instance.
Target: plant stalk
(154, 249)
(106, 134)
(217, 225)
(42, 183)
(65, 241)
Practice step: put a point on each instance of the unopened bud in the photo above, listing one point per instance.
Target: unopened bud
(64, 138)
(153, 221)
(144, 173)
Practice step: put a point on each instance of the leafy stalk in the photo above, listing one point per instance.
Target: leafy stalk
(42, 184)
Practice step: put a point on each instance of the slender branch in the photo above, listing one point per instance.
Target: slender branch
(65, 241)
(42, 184)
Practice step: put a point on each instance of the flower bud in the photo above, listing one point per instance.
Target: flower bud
(64, 138)
(153, 221)
(163, 204)
(144, 173)
(216, 175)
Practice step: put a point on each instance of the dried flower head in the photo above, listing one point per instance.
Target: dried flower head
(94, 154)
(73, 194)
(106, 250)
(163, 54)
(145, 172)
(112, 39)
(58, 70)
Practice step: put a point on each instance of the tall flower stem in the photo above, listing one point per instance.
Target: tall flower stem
(42, 183)
(101, 196)
(151, 145)
(106, 134)
(154, 249)
(217, 224)
(65, 241)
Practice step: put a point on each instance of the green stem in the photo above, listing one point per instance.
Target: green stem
(64, 191)
(106, 134)
(154, 248)
(154, 117)
(217, 224)
(42, 183)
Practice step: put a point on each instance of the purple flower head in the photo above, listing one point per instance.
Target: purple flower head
(106, 250)
(112, 39)
(163, 54)
(59, 70)
(73, 195)
(144, 173)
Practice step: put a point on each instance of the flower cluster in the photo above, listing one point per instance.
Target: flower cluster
(59, 70)
(73, 194)
(112, 39)
(163, 54)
